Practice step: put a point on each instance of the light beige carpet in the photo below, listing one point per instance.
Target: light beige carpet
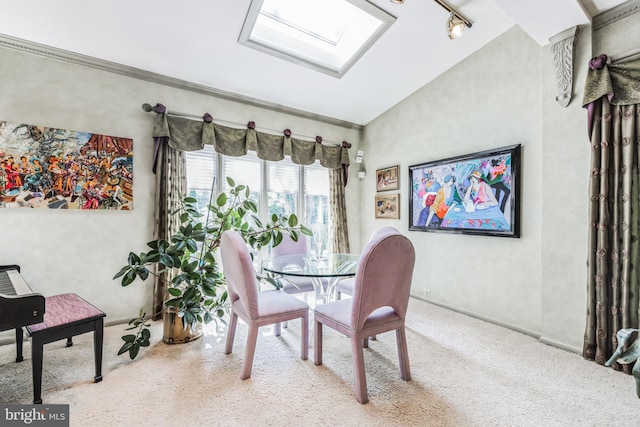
(465, 373)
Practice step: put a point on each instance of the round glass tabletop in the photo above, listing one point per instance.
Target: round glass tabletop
(305, 265)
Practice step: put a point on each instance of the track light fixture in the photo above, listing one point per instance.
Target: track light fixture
(455, 26)
(456, 21)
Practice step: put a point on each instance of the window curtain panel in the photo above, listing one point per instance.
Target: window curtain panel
(339, 230)
(612, 100)
(171, 184)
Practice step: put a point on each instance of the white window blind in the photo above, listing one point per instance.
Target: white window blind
(245, 170)
(316, 180)
(283, 187)
(283, 177)
(201, 168)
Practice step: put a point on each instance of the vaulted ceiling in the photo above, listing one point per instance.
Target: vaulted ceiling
(197, 42)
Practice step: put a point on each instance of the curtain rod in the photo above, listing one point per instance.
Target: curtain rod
(152, 109)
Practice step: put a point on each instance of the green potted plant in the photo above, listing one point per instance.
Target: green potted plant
(631, 354)
(196, 287)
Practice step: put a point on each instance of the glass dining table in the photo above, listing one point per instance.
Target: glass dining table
(324, 273)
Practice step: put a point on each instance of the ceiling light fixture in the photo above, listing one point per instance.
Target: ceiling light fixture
(455, 26)
(456, 21)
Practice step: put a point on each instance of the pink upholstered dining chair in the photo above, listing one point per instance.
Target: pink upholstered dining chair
(379, 304)
(345, 286)
(255, 308)
(292, 284)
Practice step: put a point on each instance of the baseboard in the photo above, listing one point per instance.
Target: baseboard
(479, 317)
(559, 345)
(9, 339)
(504, 325)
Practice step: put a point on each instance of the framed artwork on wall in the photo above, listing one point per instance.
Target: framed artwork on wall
(388, 206)
(477, 193)
(45, 167)
(387, 179)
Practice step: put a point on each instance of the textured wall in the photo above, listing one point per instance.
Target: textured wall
(565, 184)
(504, 94)
(491, 99)
(80, 251)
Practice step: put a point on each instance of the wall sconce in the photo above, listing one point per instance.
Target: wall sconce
(358, 160)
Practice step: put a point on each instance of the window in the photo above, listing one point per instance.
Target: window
(201, 171)
(326, 35)
(245, 170)
(316, 195)
(277, 187)
(283, 188)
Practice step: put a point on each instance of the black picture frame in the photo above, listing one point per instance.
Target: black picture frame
(477, 193)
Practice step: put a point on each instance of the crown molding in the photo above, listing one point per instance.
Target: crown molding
(136, 73)
(615, 14)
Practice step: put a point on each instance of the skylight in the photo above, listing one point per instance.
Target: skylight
(326, 35)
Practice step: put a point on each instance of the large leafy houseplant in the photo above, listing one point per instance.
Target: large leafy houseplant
(195, 285)
(631, 354)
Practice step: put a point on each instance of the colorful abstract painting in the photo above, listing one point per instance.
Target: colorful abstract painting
(475, 193)
(43, 167)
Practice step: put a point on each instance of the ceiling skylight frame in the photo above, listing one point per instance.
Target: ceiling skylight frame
(385, 21)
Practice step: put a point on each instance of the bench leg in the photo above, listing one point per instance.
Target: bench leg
(19, 340)
(69, 342)
(98, 334)
(37, 346)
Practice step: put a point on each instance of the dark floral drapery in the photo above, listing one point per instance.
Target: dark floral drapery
(612, 100)
(171, 181)
(337, 204)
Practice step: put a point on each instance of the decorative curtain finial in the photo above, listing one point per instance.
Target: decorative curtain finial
(287, 132)
(598, 62)
(208, 118)
(251, 125)
(345, 144)
(160, 109)
(319, 139)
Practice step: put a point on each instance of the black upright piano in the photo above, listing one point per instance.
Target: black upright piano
(19, 305)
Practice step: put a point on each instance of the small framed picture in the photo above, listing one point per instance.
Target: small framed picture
(387, 179)
(388, 206)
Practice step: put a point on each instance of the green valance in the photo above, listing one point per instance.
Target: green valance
(190, 135)
(620, 81)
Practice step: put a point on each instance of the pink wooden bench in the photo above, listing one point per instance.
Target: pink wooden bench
(66, 316)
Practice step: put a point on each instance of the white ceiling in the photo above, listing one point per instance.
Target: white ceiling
(196, 41)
